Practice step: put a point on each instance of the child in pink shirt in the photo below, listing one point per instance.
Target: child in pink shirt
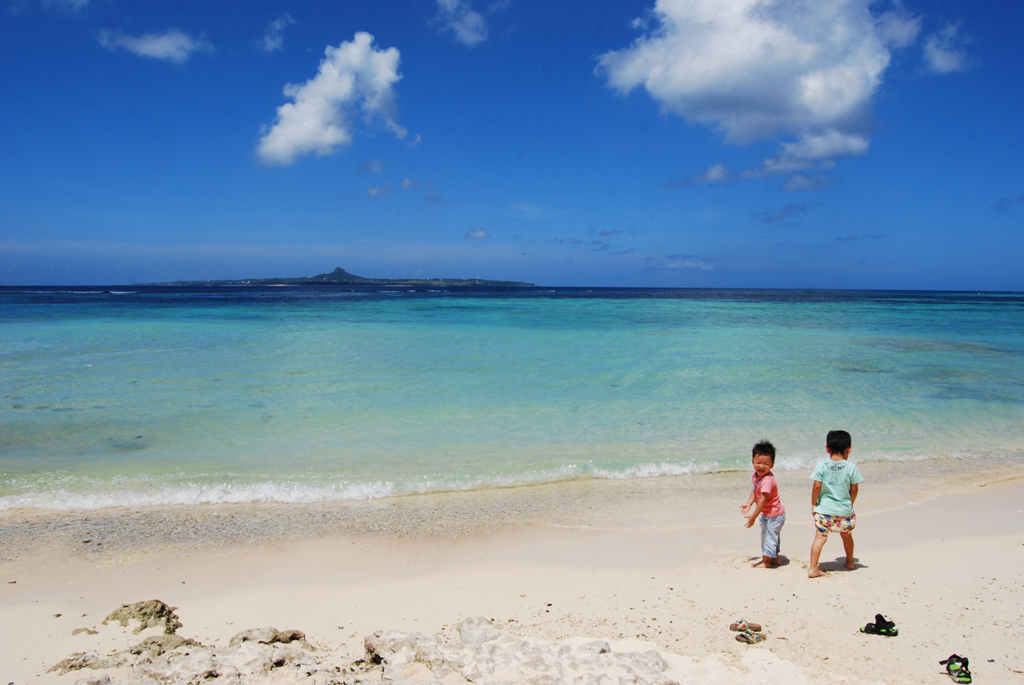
(765, 494)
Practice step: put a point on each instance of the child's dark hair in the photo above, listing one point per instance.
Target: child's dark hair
(837, 442)
(764, 447)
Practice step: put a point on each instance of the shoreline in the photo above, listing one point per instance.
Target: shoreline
(687, 501)
(611, 563)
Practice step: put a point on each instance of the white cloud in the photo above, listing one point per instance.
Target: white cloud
(688, 262)
(173, 45)
(715, 173)
(798, 182)
(811, 152)
(897, 28)
(273, 37)
(943, 52)
(476, 233)
(759, 69)
(353, 79)
(380, 191)
(372, 166)
(459, 17)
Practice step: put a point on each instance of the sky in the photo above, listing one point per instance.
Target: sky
(660, 143)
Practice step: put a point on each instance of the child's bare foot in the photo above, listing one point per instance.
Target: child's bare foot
(850, 565)
(815, 573)
(765, 562)
(759, 562)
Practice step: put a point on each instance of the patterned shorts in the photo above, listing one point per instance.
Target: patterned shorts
(835, 524)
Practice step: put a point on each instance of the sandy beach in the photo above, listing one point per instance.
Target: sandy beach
(658, 564)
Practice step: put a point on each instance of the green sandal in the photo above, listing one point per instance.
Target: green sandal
(956, 667)
(881, 626)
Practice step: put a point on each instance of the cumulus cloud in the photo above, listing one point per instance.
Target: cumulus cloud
(273, 37)
(172, 45)
(784, 213)
(806, 70)
(354, 79)
(413, 182)
(897, 28)
(943, 51)
(613, 231)
(459, 17)
(476, 234)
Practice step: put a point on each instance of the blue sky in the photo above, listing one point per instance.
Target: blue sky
(692, 143)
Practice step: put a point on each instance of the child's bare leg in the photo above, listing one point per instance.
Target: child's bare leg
(848, 547)
(819, 542)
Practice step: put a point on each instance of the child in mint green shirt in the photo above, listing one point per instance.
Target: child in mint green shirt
(836, 483)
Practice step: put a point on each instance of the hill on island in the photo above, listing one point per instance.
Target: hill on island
(341, 277)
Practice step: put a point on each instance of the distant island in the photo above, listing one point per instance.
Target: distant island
(341, 277)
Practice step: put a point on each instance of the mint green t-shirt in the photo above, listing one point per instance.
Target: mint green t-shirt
(836, 478)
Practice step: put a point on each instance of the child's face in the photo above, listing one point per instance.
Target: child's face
(762, 465)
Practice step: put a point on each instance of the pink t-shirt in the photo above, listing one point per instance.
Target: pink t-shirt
(768, 486)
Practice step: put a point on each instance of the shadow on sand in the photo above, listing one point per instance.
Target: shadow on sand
(783, 561)
(839, 564)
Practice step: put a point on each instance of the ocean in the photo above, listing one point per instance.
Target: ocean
(145, 396)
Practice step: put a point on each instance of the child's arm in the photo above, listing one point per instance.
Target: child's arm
(745, 507)
(751, 517)
(816, 494)
(854, 488)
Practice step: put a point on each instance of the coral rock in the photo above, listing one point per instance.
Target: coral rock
(149, 614)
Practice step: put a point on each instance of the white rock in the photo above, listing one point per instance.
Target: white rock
(477, 630)
(94, 680)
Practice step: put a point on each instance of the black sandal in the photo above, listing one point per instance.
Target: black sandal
(881, 626)
(956, 667)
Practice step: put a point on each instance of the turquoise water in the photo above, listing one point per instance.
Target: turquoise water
(162, 396)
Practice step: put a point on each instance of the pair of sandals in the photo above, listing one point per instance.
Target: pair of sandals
(749, 633)
(881, 626)
(956, 667)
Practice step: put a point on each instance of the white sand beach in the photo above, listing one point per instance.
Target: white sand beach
(613, 567)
